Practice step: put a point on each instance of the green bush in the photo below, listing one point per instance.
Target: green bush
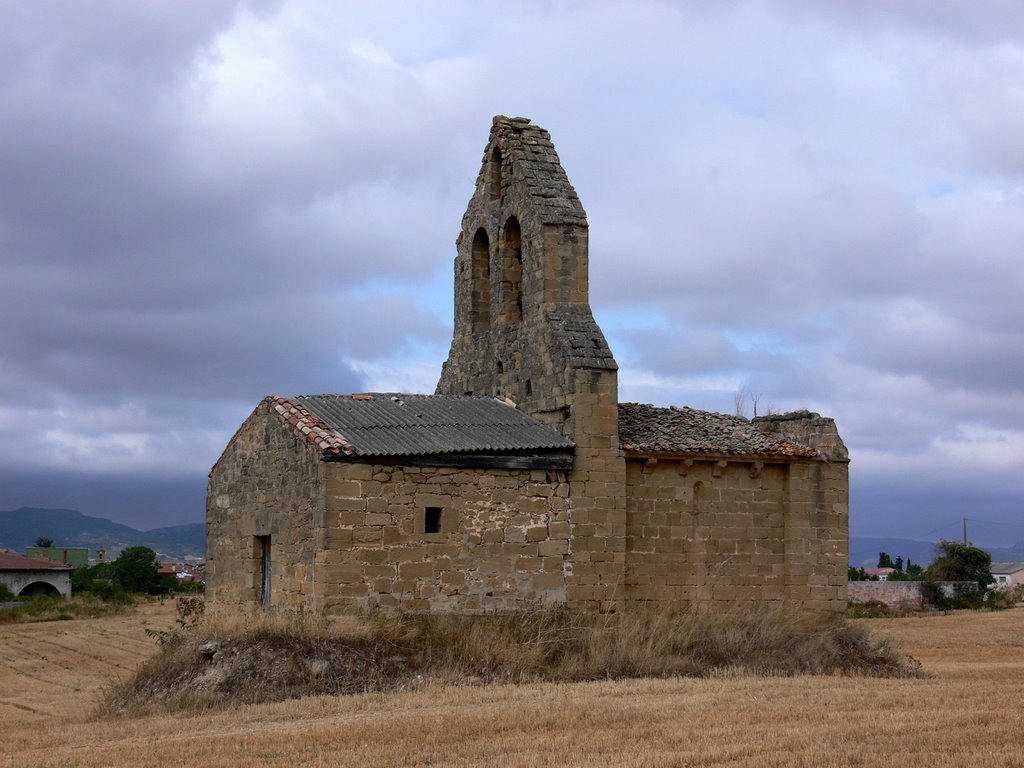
(961, 562)
(965, 596)
(134, 572)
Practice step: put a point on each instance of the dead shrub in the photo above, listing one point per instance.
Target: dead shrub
(876, 609)
(234, 661)
(61, 609)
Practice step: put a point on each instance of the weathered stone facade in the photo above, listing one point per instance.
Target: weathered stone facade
(268, 484)
(362, 505)
(524, 329)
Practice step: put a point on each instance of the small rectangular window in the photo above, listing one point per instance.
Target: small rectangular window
(432, 520)
(529, 387)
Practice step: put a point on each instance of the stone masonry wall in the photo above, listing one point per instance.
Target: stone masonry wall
(266, 483)
(597, 495)
(817, 534)
(895, 594)
(524, 242)
(503, 540)
(731, 532)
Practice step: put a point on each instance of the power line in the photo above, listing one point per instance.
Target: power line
(969, 520)
(944, 527)
(993, 522)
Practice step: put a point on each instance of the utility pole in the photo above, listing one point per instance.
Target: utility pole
(965, 531)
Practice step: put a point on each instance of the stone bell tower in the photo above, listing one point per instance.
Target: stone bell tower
(524, 331)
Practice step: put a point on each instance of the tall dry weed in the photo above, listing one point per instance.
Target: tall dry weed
(231, 660)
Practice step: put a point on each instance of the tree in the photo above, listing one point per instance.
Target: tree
(44, 541)
(136, 570)
(898, 565)
(884, 561)
(98, 580)
(961, 562)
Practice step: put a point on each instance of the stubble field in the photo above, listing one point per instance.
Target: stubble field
(968, 711)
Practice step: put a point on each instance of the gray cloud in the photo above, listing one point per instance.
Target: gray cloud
(816, 203)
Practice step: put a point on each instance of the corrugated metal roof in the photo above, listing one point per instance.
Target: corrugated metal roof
(392, 424)
(650, 429)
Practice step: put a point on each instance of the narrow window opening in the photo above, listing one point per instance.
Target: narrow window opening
(262, 547)
(480, 301)
(512, 272)
(432, 520)
(529, 387)
(469, 393)
(501, 367)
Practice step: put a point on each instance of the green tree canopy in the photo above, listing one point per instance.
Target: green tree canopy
(136, 570)
(961, 562)
(44, 541)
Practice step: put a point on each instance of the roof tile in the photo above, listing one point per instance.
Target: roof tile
(650, 429)
(10, 561)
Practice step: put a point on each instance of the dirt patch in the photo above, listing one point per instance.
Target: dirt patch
(58, 668)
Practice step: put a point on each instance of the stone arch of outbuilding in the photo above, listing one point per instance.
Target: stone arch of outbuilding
(40, 588)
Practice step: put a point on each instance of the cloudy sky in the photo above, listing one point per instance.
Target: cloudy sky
(816, 204)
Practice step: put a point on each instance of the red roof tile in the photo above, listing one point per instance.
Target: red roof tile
(9, 561)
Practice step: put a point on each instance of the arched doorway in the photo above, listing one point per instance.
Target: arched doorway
(39, 589)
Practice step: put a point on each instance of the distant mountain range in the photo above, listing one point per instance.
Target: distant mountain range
(19, 528)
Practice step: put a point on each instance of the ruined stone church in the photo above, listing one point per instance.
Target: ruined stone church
(522, 480)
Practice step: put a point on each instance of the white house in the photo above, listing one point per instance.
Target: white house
(1007, 574)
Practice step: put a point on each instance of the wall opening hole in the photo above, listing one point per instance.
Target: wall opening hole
(432, 520)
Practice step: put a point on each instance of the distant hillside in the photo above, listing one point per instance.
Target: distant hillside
(19, 528)
(864, 551)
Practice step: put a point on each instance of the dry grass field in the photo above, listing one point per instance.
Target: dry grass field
(968, 711)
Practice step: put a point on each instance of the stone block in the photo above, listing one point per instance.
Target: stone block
(553, 547)
(415, 570)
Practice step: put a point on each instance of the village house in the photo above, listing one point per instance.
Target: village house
(34, 576)
(882, 574)
(1007, 574)
(522, 480)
